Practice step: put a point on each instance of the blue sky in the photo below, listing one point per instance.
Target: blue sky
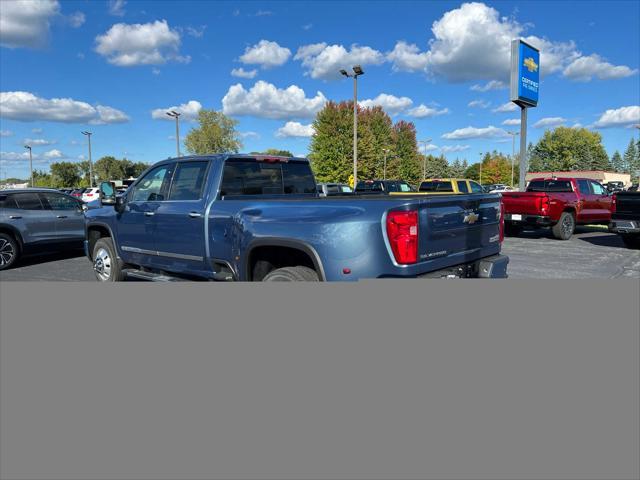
(106, 66)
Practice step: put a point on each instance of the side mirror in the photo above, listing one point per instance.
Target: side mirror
(107, 193)
(120, 203)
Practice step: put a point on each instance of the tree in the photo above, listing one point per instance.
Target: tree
(275, 152)
(65, 174)
(630, 158)
(564, 149)
(617, 162)
(457, 169)
(216, 134)
(42, 179)
(436, 167)
(407, 162)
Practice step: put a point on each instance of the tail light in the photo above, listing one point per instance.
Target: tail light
(614, 201)
(501, 220)
(402, 231)
(545, 204)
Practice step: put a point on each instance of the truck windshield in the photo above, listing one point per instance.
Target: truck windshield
(262, 178)
(436, 186)
(550, 186)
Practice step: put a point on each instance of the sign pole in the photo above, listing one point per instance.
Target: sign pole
(523, 148)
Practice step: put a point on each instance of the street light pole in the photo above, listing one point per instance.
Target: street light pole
(424, 160)
(88, 134)
(357, 71)
(384, 170)
(28, 147)
(176, 115)
(513, 152)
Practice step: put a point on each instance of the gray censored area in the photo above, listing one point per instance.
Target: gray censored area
(431, 379)
(591, 253)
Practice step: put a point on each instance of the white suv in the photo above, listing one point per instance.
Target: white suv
(90, 194)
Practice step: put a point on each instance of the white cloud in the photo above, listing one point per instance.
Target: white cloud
(189, 111)
(266, 54)
(116, 8)
(583, 69)
(127, 45)
(37, 131)
(27, 107)
(549, 122)
(267, 101)
(390, 103)
(308, 26)
(76, 19)
(196, 32)
(26, 23)
(492, 85)
(12, 156)
(577, 125)
(155, 71)
(242, 73)
(478, 104)
(454, 148)
(511, 121)
(249, 134)
(263, 13)
(422, 111)
(53, 154)
(619, 117)
(35, 142)
(325, 61)
(429, 148)
(407, 57)
(6, 133)
(295, 129)
(473, 132)
(506, 107)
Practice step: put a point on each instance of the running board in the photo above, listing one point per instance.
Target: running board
(151, 276)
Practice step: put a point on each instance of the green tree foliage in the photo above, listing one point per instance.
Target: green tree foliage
(496, 168)
(630, 159)
(275, 152)
(42, 179)
(458, 168)
(436, 167)
(64, 174)
(564, 149)
(618, 164)
(216, 134)
(407, 158)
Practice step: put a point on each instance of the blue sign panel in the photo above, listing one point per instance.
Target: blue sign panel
(525, 73)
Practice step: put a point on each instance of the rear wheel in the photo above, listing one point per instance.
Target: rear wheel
(105, 262)
(292, 274)
(8, 251)
(563, 230)
(631, 241)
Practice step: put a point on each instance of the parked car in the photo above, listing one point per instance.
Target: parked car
(382, 187)
(501, 188)
(77, 192)
(332, 189)
(259, 218)
(558, 203)
(614, 186)
(442, 186)
(625, 217)
(33, 218)
(90, 194)
(633, 188)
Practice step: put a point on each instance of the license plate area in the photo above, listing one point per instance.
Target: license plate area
(515, 217)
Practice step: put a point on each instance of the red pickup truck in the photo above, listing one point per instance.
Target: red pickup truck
(559, 203)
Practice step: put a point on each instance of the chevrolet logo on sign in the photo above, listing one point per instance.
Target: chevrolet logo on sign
(531, 64)
(471, 218)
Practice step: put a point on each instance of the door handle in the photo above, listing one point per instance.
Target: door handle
(61, 216)
(149, 214)
(195, 214)
(15, 217)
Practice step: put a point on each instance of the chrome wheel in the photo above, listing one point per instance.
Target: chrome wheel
(7, 252)
(102, 264)
(567, 225)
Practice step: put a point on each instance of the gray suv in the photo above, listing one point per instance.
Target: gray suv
(36, 217)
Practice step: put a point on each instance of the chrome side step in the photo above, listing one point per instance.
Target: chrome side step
(151, 276)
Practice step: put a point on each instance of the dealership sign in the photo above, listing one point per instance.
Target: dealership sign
(525, 73)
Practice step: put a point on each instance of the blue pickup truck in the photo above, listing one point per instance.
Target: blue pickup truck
(259, 218)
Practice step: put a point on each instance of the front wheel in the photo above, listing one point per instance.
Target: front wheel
(105, 262)
(563, 230)
(292, 274)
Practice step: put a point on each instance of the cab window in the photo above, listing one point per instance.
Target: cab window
(476, 187)
(462, 186)
(153, 186)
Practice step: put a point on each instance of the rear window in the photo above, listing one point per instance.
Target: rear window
(549, 186)
(28, 201)
(369, 187)
(7, 201)
(462, 186)
(436, 186)
(404, 187)
(188, 181)
(261, 178)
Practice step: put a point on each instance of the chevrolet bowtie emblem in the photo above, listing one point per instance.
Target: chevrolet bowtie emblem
(471, 218)
(531, 64)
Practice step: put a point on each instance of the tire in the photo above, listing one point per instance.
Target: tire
(292, 274)
(9, 251)
(105, 261)
(631, 241)
(563, 230)
(511, 230)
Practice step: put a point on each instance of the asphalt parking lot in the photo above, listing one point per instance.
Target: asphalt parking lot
(591, 253)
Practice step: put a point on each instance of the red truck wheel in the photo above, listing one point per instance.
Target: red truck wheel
(563, 230)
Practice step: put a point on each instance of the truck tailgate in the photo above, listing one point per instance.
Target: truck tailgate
(628, 205)
(528, 203)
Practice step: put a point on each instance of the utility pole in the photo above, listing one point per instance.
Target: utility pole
(88, 134)
(357, 71)
(480, 168)
(176, 115)
(513, 152)
(384, 170)
(424, 160)
(523, 148)
(28, 147)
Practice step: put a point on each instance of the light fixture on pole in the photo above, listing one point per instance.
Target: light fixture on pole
(357, 71)
(424, 160)
(28, 147)
(176, 115)
(513, 152)
(88, 134)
